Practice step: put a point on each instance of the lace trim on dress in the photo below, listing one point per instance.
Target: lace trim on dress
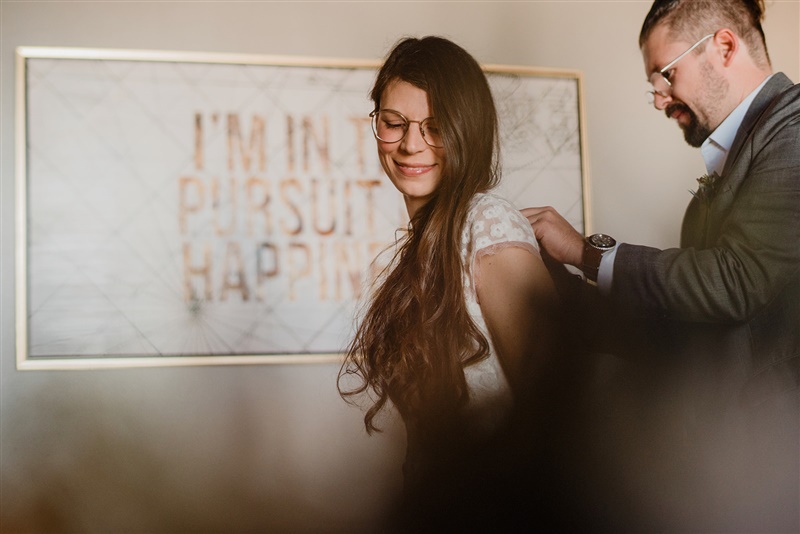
(491, 250)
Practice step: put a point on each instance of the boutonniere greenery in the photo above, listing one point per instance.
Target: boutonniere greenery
(707, 185)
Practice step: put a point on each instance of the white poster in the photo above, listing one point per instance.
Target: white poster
(192, 210)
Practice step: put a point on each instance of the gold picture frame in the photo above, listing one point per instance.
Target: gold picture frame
(187, 208)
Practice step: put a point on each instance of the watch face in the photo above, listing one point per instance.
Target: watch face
(602, 241)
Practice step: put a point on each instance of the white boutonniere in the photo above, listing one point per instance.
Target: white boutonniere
(707, 185)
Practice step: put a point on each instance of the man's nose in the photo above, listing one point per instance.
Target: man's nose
(660, 101)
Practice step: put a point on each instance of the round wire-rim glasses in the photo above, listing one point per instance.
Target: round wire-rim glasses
(659, 82)
(391, 126)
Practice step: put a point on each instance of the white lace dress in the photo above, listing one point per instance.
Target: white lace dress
(492, 225)
(439, 456)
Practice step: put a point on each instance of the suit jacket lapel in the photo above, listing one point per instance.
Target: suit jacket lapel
(776, 85)
(695, 228)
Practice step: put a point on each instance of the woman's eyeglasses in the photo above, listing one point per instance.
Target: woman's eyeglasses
(391, 126)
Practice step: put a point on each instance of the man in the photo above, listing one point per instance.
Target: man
(717, 321)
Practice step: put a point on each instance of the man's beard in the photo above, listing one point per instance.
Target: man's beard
(694, 132)
(712, 93)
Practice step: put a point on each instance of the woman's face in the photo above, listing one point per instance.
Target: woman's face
(413, 166)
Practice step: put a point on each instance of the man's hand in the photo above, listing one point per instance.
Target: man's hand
(557, 236)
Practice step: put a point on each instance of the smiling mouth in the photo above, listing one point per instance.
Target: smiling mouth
(677, 112)
(413, 170)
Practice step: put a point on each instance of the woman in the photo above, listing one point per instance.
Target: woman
(459, 320)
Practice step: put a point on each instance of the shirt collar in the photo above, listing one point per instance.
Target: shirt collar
(715, 149)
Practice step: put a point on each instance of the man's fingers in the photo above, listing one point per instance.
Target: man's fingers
(535, 211)
(536, 216)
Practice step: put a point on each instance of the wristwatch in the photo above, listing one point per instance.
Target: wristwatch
(593, 249)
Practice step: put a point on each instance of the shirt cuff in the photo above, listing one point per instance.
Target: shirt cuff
(605, 273)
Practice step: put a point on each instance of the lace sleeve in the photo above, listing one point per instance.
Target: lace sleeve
(493, 225)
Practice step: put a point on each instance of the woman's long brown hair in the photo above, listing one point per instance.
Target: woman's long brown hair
(416, 335)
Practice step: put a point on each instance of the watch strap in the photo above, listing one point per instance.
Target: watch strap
(590, 261)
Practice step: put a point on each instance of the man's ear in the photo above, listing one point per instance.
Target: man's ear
(727, 46)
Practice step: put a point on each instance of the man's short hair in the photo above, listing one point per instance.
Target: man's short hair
(690, 20)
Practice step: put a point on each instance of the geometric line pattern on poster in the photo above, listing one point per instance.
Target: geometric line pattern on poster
(200, 209)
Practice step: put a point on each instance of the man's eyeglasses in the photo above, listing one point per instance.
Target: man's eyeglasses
(391, 126)
(659, 81)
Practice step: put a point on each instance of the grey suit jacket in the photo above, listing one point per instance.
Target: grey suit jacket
(729, 299)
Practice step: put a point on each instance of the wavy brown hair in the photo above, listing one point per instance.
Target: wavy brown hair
(416, 336)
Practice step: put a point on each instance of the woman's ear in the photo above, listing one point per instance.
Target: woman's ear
(727, 45)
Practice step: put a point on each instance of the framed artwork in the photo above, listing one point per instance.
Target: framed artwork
(179, 208)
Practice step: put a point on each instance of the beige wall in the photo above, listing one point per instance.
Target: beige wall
(274, 445)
